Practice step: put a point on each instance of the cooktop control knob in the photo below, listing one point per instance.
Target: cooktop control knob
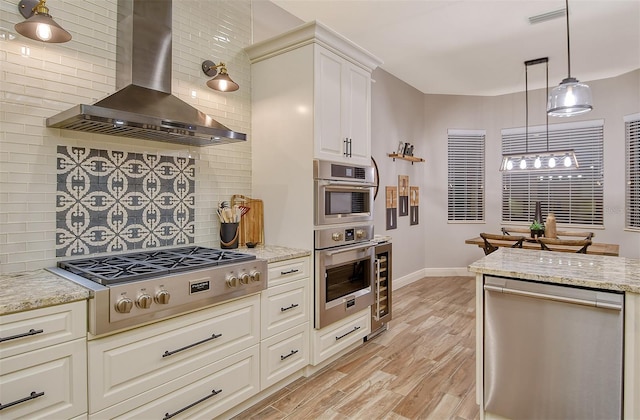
(143, 301)
(359, 234)
(162, 297)
(244, 278)
(232, 280)
(124, 305)
(337, 236)
(255, 276)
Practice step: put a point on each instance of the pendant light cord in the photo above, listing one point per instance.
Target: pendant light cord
(526, 108)
(568, 41)
(546, 113)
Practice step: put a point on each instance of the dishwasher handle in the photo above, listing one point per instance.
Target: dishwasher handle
(545, 296)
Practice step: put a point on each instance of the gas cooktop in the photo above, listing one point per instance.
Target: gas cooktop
(108, 270)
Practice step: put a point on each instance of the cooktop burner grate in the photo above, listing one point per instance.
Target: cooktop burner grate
(144, 265)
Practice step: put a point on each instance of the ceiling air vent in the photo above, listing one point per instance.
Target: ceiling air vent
(547, 16)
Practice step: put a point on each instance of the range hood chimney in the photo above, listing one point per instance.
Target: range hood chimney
(144, 107)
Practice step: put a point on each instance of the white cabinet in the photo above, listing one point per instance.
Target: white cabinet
(284, 349)
(43, 362)
(339, 336)
(310, 98)
(342, 109)
(132, 369)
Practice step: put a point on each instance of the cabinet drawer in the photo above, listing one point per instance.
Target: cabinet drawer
(284, 306)
(284, 354)
(42, 327)
(286, 271)
(334, 338)
(58, 372)
(132, 362)
(234, 379)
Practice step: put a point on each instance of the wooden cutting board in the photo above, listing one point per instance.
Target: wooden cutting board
(252, 222)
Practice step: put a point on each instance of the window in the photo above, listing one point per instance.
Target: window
(632, 136)
(574, 195)
(466, 175)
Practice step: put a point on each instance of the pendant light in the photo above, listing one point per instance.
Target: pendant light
(531, 161)
(39, 25)
(570, 97)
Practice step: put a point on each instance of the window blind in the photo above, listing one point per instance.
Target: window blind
(466, 175)
(574, 195)
(632, 196)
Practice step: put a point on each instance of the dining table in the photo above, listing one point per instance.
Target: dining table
(596, 248)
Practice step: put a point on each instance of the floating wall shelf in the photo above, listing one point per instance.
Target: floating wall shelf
(411, 159)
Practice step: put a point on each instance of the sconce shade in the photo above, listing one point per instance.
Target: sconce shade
(222, 82)
(569, 98)
(40, 26)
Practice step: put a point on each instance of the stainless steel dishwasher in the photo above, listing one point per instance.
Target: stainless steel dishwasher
(552, 352)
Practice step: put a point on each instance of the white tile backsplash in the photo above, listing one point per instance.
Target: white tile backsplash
(57, 76)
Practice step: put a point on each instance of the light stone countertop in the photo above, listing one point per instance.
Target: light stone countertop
(594, 271)
(275, 253)
(36, 289)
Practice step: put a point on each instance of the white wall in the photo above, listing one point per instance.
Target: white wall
(55, 77)
(397, 115)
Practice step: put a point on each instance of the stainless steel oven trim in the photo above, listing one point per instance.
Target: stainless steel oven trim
(327, 313)
(320, 188)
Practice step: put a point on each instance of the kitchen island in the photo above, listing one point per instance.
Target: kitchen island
(575, 270)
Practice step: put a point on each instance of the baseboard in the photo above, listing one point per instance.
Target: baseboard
(429, 272)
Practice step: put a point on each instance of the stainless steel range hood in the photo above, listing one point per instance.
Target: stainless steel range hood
(144, 107)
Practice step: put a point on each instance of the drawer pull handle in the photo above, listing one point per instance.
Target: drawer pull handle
(167, 416)
(32, 396)
(347, 333)
(288, 355)
(27, 334)
(213, 337)
(293, 270)
(293, 305)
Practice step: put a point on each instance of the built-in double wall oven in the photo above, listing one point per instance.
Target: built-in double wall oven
(344, 250)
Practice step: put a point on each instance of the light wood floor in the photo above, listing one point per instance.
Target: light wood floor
(422, 367)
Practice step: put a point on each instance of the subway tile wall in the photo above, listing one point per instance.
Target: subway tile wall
(38, 80)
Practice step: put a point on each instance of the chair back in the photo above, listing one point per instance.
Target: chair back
(564, 245)
(491, 245)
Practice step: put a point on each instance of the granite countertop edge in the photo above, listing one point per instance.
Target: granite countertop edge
(592, 271)
(37, 289)
(41, 288)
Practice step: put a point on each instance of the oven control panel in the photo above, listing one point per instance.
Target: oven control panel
(341, 235)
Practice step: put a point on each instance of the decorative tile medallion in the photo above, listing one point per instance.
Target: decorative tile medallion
(111, 201)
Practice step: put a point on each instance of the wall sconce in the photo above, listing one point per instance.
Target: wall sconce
(570, 97)
(39, 25)
(222, 82)
(531, 161)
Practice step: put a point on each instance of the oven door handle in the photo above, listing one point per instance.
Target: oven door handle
(348, 185)
(350, 248)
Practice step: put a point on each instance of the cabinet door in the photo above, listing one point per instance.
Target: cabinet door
(40, 328)
(284, 354)
(284, 306)
(356, 113)
(340, 335)
(51, 383)
(135, 362)
(329, 136)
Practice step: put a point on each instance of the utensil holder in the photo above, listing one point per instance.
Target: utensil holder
(229, 235)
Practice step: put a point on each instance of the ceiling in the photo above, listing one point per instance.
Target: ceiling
(478, 47)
